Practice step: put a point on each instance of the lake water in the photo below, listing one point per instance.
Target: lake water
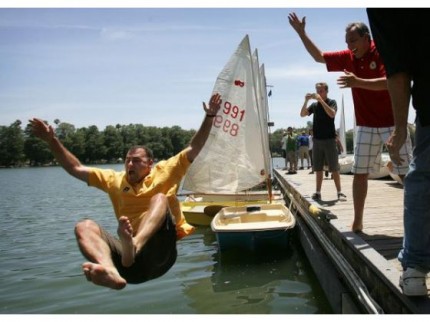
(40, 270)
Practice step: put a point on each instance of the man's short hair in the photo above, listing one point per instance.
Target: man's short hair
(361, 28)
(147, 150)
(323, 85)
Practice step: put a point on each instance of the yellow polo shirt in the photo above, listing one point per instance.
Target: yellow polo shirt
(165, 177)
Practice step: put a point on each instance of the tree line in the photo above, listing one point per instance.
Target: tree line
(19, 147)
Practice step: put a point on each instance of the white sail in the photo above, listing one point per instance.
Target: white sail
(232, 158)
(265, 119)
(342, 130)
(262, 108)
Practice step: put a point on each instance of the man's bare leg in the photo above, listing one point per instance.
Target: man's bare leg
(336, 179)
(319, 180)
(359, 193)
(100, 270)
(152, 221)
(125, 233)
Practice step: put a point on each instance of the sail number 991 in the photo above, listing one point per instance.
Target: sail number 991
(223, 120)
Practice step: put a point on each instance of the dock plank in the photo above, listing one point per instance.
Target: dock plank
(383, 212)
(382, 221)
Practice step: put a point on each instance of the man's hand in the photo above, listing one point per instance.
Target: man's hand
(214, 105)
(347, 80)
(42, 130)
(299, 26)
(395, 142)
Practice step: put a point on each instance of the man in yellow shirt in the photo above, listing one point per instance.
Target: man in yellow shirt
(145, 204)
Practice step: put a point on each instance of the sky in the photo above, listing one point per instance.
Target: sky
(155, 66)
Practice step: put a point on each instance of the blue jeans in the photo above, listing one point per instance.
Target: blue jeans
(416, 215)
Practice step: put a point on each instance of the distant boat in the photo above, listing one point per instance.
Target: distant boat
(345, 164)
(236, 157)
(345, 160)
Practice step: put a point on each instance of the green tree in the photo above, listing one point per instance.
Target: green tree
(11, 144)
(113, 143)
(129, 137)
(94, 145)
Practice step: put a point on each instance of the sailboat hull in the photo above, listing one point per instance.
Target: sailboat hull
(200, 209)
(253, 227)
(345, 164)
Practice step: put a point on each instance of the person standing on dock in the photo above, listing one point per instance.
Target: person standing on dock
(284, 148)
(401, 36)
(303, 142)
(145, 204)
(364, 73)
(324, 138)
(289, 144)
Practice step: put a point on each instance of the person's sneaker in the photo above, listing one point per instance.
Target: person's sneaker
(316, 196)
(413, 282)
(340, 196)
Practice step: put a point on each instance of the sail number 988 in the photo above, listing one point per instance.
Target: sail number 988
(223, 121)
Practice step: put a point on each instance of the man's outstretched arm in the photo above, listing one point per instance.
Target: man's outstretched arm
(63, 156)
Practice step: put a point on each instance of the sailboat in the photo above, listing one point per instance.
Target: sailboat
(238, 147)
(345, 160)
(236, 157)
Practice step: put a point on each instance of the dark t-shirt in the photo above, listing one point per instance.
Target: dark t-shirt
(323, 125)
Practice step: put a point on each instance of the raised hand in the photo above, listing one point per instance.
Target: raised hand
(42, 130)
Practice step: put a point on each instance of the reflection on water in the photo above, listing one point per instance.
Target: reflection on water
(248, 282)
(40, 262)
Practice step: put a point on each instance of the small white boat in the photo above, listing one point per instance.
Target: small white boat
(345, 160)
(345, 163)
(253, 227)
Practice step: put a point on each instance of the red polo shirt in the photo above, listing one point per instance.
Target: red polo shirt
(372, 108)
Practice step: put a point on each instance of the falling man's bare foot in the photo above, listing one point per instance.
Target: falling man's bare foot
(103, 276)
(125, 233)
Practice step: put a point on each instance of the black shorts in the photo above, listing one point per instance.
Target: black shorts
(155, 259)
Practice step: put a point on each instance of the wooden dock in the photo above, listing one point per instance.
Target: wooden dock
(370, 255)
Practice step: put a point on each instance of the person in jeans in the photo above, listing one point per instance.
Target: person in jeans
(401, 36)
(324, 138)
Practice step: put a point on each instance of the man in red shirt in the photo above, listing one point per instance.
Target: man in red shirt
(364, 73)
